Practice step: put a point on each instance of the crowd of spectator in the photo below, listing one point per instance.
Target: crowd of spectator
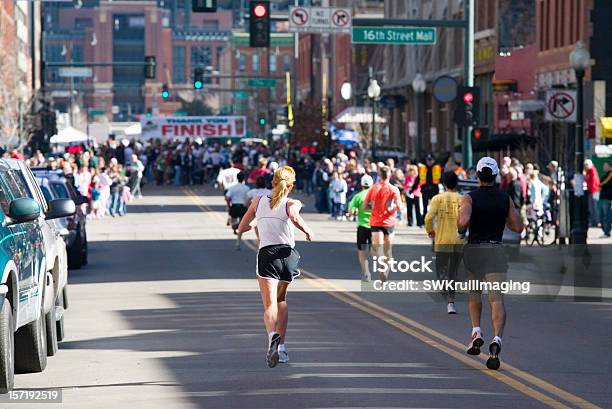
(115, 172)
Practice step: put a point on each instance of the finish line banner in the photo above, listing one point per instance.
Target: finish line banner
(181, 127)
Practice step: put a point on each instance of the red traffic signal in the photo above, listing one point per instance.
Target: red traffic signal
(260, 10)
(477, 133)
(468, 97)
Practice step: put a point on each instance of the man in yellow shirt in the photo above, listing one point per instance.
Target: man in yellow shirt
(444, 212)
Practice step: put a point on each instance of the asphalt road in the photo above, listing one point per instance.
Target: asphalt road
(167, 315)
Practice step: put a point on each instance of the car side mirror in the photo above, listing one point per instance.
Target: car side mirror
(80, 199)
(60, 208)
(23, 210)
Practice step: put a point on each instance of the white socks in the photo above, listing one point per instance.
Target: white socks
(476, 330)
(270, 336)
(281, 347)
(497, 339)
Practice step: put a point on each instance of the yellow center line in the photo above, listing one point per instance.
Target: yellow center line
(418, 331)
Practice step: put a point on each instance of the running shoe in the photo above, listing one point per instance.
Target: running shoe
(493, 361)
(283, 356)
(450, 308)
(272, 355)
(475, 344)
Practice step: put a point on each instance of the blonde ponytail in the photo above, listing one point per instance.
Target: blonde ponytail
(282, 183)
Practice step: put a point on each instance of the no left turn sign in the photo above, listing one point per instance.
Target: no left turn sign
(300, 17)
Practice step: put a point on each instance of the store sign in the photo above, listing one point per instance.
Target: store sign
(181, 127)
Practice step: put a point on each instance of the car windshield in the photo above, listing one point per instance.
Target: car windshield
(46, 193)
(60, 190)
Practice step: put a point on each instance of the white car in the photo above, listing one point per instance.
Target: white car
(55, 255)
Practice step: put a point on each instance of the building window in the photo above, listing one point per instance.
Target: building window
(201, 57)
(77, 53)
(287, 62)
(178, 65)
(80, 23)
(241, 62)
(273, 63)
(255, 63)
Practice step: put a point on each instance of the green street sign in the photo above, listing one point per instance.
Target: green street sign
(262, 83)
(96, 112)
(393, 35)
(241, 94)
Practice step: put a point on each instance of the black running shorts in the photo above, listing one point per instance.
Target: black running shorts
(385, 230)
(278, 262)
(482, 259)
(364, 238)
(237, 211)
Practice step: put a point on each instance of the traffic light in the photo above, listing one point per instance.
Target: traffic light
(198, 78)
(262, 121)
(467, 104)
(165, 92)
(150, 66)
(204, 6)
(480, 133)
(259, 23)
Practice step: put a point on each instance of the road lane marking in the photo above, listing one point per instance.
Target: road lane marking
(373, 375)
(359, 365)
(362, 391)
(398, 320)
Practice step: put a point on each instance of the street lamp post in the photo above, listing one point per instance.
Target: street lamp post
(418, 86)
(579, 61)
(373, 94)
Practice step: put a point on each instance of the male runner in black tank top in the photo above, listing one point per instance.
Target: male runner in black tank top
(485, 212)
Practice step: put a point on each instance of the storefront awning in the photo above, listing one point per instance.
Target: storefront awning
(358, 115)
(606, 127)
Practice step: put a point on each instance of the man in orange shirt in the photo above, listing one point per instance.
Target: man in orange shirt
(384, 201)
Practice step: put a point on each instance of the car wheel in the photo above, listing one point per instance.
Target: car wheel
(59, 325)
(85, 261)
(7, 345)
(65, 297)
(75, 255)
(51, 329)
(31, 345)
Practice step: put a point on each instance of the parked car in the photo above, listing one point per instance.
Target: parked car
(76, 239)
(55, 253)
(27, 287)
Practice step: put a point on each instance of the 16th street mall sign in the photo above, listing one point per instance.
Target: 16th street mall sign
(393, 35)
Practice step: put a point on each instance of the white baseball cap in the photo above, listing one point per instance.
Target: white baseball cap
(488, 162)
(367, 181)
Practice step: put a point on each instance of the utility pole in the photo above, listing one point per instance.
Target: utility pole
(469, 76)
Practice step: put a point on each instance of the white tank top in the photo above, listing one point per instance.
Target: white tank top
(274, 225)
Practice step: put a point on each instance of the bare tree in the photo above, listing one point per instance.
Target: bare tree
(9, 86)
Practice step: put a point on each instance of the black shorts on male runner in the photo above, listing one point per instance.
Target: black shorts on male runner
(237, 211)
(481, 259)
(364, 237)
(384, 230)
(278, 262)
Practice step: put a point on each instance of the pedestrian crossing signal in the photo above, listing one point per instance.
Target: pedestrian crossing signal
(262, 121)
(204, 6)
(480, 134)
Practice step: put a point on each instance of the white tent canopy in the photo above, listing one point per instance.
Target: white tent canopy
(133, 130)
(356, 115)
(70, 135)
